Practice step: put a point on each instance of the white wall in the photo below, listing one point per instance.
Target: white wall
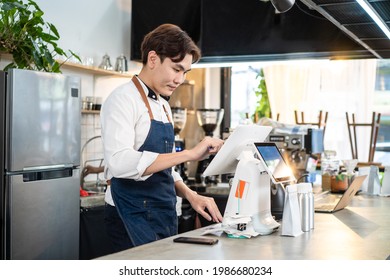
(91, 28)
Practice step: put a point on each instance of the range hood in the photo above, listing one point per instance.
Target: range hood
(252, 30)
(354, 21)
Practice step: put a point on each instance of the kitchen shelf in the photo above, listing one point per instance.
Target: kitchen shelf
(76, 66)
(93, 70)
(90, 112)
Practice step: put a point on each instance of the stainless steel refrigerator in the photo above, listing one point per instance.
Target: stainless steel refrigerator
(40, 165)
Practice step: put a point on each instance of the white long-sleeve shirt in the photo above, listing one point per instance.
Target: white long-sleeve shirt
(125, 125)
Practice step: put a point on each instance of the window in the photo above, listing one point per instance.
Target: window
(382, 105)
(333, 86)
(243, 98)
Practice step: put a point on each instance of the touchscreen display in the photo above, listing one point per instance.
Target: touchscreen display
(274, 162)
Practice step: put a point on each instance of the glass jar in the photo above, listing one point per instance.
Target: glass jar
(330, 167)
(350, 165)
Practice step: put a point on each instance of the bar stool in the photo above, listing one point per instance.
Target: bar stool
(374, 125)
(321, 121)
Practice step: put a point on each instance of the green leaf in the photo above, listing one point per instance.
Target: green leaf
(263, 108)
(54, 30)
(25, 34)
(47, 37)
(49, 58)
(75, 55)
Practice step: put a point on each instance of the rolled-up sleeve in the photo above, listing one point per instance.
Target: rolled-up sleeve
(176, 176)
(120, 118)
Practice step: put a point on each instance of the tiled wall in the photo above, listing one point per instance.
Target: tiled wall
(90, 127)
(91, 144)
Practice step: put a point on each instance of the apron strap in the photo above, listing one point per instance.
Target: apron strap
(143, 95)
(166, 113)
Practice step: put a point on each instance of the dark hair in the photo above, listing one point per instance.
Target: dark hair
(169, 40)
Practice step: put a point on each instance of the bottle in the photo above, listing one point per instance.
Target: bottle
(121, 64)
(330, 167)
(306, 206)
(311, 207)
(106, 63)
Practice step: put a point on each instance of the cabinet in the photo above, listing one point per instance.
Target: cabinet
(94, 241)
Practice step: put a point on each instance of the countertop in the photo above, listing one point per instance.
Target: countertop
(93, 200)
(360, 231)
(97, 198)
(96, 194)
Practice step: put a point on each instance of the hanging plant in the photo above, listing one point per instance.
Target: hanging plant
(30, 40)
(263, 108)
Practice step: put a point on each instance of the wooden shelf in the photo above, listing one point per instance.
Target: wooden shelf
(90, 112)
(83, 68)
(93, 70)
(5, 56)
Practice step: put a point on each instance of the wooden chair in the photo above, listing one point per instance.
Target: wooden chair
(321, 120)
(277, 116)
(374, 125)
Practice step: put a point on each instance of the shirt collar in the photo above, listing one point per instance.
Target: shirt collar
(152, 94)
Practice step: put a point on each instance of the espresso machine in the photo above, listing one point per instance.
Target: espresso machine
(179, 119)
(208, 120)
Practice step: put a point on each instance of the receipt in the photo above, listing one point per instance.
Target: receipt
(237, 226)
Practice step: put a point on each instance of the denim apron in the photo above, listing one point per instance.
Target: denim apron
(148, 208)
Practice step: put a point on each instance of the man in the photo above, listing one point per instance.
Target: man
(138, 139)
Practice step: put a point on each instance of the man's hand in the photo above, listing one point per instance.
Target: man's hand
(208, 146)
(200, 203)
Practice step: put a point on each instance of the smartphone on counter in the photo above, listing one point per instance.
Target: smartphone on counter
(196, 240)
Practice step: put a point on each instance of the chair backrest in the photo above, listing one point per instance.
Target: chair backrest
(374, 125)
(277, 116)
(321, 123)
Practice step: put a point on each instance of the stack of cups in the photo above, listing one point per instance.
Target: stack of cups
(306, 206)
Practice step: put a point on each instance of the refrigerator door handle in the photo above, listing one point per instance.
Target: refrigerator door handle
(47, 174)
(47, 167)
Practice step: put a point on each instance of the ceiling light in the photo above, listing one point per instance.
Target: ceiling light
(282, 5)
(372, 13)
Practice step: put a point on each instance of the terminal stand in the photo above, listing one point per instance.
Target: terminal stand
(250, 196)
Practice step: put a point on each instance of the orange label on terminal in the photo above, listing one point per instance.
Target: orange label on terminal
(241, 189)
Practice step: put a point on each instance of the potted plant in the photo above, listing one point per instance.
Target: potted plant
(339, 183)
(263, 108)
(28, 38)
